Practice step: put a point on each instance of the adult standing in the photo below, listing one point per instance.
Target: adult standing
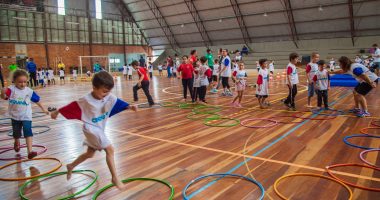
(97, 67)
(142, 61)
(32, 69)
(244, 50)
(225, 73)
(1, 75)
(170, 63)
(376, 59)
(61, 65)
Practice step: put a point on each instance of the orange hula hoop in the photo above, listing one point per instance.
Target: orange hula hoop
(363, 130)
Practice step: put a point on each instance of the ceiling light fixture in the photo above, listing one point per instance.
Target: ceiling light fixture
(320, 8)
(182, 25)
(265, 14)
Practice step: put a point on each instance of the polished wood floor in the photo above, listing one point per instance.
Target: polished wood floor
(162, 143)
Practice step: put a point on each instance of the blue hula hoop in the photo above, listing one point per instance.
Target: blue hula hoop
(185, 197)
(345, 140)
(337, 112)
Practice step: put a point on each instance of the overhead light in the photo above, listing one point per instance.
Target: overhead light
(220, 20)
(265, 14)
(20, 18)
(320, 8)
(75, 23)
(182, 25)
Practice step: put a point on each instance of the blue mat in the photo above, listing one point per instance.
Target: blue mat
(343, 80)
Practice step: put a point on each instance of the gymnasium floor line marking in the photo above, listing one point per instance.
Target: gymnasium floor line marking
(261, 150)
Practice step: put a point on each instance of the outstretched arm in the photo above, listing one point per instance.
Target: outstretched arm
(42, 108)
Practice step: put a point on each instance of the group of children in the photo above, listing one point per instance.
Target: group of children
(46, 76)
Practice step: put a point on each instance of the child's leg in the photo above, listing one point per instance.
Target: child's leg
(263, 101)
(362, 102)
(236, 98)
(319, 98)
(111, 166)
(240, 95)
(16, 128)
(89, 154)
(325, 98)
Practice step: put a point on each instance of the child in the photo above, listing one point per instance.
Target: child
(61, 76)
(150, 69)
(262, 83)
(94, 109)
(130, 71)
(174, 71)
(239, 76)
(367, 81)
(257, 66)
(235, 66)
(358, 59)
(311, 69)
(292, 81)
(225, 73)
(197, 83)
(41, 77)
(186, 71)
(215, 73)
(160, 69)
(322, 84)
(75, 74)
(204, 74)
(20, 109)
(88, 73)
(142, 83)
(332, 64)
(125, 71)
(51, 76)
(271, 67)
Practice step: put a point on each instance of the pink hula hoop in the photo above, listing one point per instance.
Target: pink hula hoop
(5, 149)
(366, 161)
(273, 123)
(291, 116)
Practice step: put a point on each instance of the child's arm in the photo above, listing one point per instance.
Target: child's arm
(70, 111)
(259, 82)
(42, 108)
(120, 106)
(338, 72)
(289, 72)
(328, 78)
(36, 99)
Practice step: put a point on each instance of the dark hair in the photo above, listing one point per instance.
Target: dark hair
(135, 63)
(30, 59)
(216, 60)
(321, 62)
(374, 45)
(102, 79)
(208, 50)
(203, 59)
(314, 54)
(185, 56)
(192, 52)
(176, 55)
(345, 63)
(61, 68)
(262, 61)
(18, 73)
(293, 56)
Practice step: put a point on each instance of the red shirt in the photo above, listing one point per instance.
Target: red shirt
(193, 59)
(187, 70)
(170, 62)
(142, 72)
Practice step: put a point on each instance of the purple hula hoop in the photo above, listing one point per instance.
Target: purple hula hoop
(5, 149)
(273, 122)
(366, 161)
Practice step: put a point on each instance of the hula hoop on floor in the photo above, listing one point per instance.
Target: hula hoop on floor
(34, 176)
(375, 123)
(203, 110)
(185, 197)
(366, 132)
(280, 122)
(47, 128)
(211, 116)
(190, 105)
(34, 115)
(348, 183)
(345, 140)
(170, 104)
(366, 161)
(97, 194)
(320, 112)
(207, 122)
(6, 149)
(22, 188)
(272, 123)
(275, 186)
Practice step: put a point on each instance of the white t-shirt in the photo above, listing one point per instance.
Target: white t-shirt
(130, 70)
(238, 57)
(321, 79)
(197, 78)
(293, 74)
(94, 113)
(332, 64)
(159, 67)
(313, 67)
(215, 72)
(359, 69)
(271, 67)
(376, 55)
(177, 62)
(262, 82)
(150, 68)
(226, 63)
(20, 107)
(75, 73)
(174, 68)
(236, 67)
(50, 74)
(61, 73)
(202, 75)
(41, 75)
(124, 70)
(358, 60)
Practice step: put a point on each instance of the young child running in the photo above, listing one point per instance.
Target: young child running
(262, 90)
(186, 71)
(225, 73)
(94, 109)
(215, 78)
(367, 81)
(239, 76)
(311, 69)
(204, 74)
(142, 83)
(322, 84)
(20, 109)
(61, 76)
(292, 81)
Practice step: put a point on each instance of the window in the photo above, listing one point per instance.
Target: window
(98, 8)
(61, 7)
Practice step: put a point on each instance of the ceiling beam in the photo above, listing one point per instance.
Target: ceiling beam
(240, 20)
(352, 24)
(198, 22)
(292, 24)
(163, 24)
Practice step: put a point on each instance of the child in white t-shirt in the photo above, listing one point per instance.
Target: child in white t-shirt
(197, 83)
(322, 83)
(160, 69)
(41, 77)
(271, 67)
(125, 71)
(20, 99)
(130, 72)
(262, 88)
(239, 77)
(215, 76)
(332, 64)
(150, 70)
(93, 110)
(61, 76)
(75, 75)
(50, 76)
(292, 81)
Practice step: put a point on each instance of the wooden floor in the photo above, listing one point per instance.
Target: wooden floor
(162, 143)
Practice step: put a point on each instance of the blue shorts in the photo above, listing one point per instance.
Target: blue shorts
(26, 127)
(310, 90)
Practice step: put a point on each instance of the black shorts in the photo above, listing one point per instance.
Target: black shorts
(209, 80)
(261, 96)
(62, 78)
(363, 88)
(215, 78)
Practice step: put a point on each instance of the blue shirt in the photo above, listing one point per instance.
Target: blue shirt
(31, 67)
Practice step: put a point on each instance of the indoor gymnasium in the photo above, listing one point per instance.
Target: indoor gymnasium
(190, 99)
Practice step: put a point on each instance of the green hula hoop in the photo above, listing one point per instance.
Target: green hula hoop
(190, 105)
(170, 104)
(22, 188)
(97, 194)
(211, 116)
(207, 122)
(204, 110)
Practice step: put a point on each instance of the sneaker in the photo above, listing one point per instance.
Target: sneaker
(223, 94)
(363, 114)
(32, 154)
(17, 146)
(354, 110)
(292, 108)
(327, 108)
(230, 94)
(238, 105)
(287, 105)
(267, 103)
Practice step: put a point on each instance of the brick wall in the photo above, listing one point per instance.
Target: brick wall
(69, 57)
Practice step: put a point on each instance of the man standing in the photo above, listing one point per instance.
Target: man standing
(142, 61)
(32, 68)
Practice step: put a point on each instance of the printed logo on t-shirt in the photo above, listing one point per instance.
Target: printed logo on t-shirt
(18, 101)
(100, 118)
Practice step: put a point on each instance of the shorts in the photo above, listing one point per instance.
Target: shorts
(160, 70)
(210, 80)
(26, 127)
(215, 78)
(240, 86)
(98, 141)
(61, 78)
(310, 90)
(261, 96)
(363, 88)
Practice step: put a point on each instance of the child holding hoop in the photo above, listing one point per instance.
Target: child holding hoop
(20, 109)
(94, 109)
